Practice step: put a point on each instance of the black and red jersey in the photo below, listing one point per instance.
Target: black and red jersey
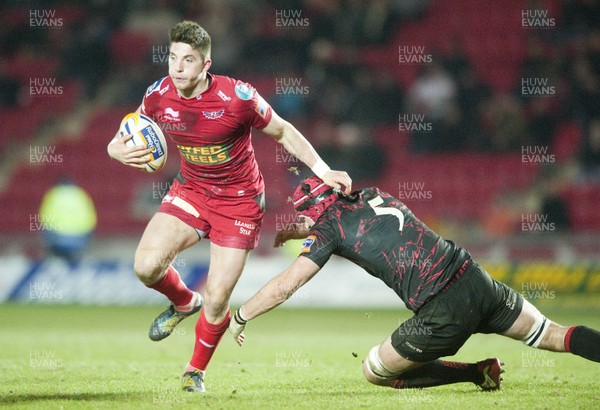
(380, 234)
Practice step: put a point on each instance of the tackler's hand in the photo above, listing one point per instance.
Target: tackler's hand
(339, 180)
(292, 231)
(237, 326)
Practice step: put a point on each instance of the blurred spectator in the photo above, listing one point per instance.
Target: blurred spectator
(356, 23)
(335, 98)
(556, 212)
(432, 92)
(537, 62)
(353, 149)
(456, 61)
(88, 55)
(472, 92)
(9, 87)
(552, 185)
(580, 15)
(504, 125)
(542, 122)
(451, 133)
(593, 40)
(585, 97)
(410, 9)
(431, 103)
(154, 21)
(376, 98)
(291, 95)
(590, 150)
(68, 218)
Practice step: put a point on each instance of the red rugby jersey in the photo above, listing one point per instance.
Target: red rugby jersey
(212, 132)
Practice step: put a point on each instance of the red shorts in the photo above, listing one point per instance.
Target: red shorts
(229, 222)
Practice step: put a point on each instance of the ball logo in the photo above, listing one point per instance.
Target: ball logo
(152, 142)
(129, 124)
(147, 133)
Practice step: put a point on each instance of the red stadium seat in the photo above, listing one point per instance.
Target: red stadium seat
(582, 201)
(566, 141)
(129, 48)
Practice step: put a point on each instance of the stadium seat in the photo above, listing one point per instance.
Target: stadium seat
(566, 141)
(129, 48)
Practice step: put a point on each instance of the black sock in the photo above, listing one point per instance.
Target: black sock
(437, 373)
(584, 342)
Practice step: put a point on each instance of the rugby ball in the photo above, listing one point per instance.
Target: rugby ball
(146, 132)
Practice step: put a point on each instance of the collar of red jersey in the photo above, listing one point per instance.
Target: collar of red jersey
(211, 82)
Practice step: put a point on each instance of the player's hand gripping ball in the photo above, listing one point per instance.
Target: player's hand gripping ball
(147, 133)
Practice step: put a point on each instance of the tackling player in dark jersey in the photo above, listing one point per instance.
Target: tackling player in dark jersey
(452, 297)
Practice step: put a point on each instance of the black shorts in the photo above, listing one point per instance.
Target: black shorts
(475, 303)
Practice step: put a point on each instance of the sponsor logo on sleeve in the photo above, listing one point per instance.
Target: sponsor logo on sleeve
(244, 92)
(308, 242)
(261, 107)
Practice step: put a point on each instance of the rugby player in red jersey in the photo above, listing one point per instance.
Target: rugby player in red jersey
(218, 193)
(451, 296)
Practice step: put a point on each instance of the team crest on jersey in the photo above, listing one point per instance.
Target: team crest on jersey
(213, 115)
(244, 92)
(308, 243)
(156, 87)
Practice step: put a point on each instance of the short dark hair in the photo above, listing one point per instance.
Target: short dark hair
(190, 32)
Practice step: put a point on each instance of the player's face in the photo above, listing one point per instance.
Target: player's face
(187, 69)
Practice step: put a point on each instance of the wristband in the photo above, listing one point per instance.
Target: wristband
(238, 318)
(320, 168)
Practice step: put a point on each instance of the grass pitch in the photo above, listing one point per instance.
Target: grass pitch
(55, 357)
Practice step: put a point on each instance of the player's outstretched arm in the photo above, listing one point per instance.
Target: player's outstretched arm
(275, 292)
(292, 231)
(295, 143)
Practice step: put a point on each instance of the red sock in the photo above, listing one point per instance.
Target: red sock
(208, 337)
(173, 288)
(568, 339)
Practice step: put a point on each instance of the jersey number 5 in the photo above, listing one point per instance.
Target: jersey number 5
(386, 210)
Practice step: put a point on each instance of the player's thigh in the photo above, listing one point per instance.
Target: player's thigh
(164, 237)
(392, 360)
(226, 266)
(526, 319)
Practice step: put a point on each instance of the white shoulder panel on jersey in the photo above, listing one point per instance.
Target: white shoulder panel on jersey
(156, 87)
